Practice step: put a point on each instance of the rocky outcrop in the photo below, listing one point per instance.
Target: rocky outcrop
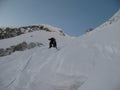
(19, 47)
(89, 30)
(12, 32)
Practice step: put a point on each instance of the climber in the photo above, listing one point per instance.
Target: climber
(52, 42)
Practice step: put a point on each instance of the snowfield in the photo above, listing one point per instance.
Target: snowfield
(88, 62)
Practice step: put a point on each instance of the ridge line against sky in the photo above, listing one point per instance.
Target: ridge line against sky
(74, 17)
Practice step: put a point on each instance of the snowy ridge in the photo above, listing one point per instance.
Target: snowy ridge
(113, 19)
(54, 29)
(106, 44)
(91, 62)
(8, 32)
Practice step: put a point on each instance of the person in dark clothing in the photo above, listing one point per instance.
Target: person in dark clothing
(52, 42)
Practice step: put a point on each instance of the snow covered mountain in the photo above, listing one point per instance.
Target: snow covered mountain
(89, 62)
(7, 32)
(10, 32)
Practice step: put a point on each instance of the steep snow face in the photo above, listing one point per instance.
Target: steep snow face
(90, 62)
(106, 44)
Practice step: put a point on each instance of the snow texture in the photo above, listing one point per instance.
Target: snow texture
(89, 62)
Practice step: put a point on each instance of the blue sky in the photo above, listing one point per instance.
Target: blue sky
(72, 16)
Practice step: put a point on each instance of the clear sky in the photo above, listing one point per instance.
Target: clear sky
(72, 16)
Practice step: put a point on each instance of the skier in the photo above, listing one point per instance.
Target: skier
(52, 42)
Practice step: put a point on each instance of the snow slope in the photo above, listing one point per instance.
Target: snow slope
(89, 62)
(106, 43)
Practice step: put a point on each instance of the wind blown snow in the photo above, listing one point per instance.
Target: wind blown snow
(89, 62)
